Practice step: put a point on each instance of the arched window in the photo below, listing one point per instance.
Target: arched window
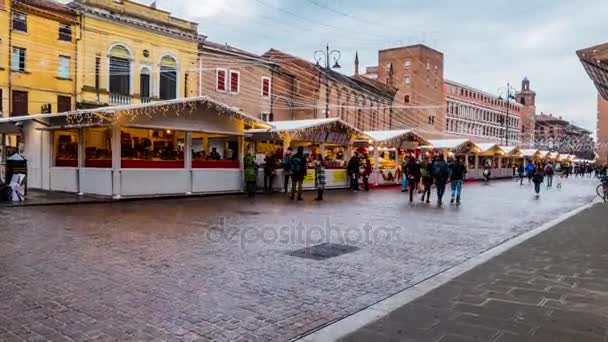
(120, 70)
(168, 78)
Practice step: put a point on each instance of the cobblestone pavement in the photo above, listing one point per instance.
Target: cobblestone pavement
(553, 287)
(217, 268)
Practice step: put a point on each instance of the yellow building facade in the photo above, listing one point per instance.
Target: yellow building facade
(39, 73)
(131, 53)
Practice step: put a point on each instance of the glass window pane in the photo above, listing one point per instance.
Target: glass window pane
(65, 144)
(98, 147)
(152, 148)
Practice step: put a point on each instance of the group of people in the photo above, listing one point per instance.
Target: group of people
(295, 168)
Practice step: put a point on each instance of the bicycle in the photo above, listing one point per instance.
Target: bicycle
(602, 189)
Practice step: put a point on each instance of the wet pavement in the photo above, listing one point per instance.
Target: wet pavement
(229, 268)
(553, 287)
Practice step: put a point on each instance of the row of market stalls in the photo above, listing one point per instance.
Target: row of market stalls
(197, 145)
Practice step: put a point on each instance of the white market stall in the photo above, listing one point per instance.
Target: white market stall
(386, 151)
(331, 137)
(174, 147)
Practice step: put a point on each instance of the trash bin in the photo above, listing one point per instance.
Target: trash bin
(16, 164)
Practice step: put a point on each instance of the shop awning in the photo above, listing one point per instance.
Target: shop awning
(396, 137)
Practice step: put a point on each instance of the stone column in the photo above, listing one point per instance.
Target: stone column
(81, 158)
(188, 160)
(376, 166)
(116, 159)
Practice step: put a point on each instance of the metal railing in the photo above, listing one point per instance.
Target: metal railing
(120, 99)
(146, 100)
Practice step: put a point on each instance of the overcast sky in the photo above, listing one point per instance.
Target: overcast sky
(485, 43)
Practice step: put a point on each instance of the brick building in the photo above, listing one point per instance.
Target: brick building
(303, 87)
(238, 78)
(553, 133)
(527, 98)
(417, 73)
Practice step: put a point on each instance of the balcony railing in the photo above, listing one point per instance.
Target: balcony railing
(119, 99)
(146, 99)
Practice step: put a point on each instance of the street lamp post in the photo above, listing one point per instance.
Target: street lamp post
(324, 57)
(509, 92)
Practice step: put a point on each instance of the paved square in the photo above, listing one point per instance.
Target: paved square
(218, 268)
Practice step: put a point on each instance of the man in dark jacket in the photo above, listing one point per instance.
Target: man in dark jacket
(457, 175)
(441, 173)
(413, 176)
(286, 164)
(298, 172)
(354, 168)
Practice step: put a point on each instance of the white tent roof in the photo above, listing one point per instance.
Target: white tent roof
(296, 125)
(383, 136)
(545, 153)
(485, 147)
(113, 109)
(449, 143)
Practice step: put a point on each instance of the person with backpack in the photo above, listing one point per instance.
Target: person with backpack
(426, 172)
(353, 169)
(538, 176)
(286, 164)
(367, 171)
(413, 176)
(298, 172)
(404, 173)
(457, 176)
(441, 172)
(549, 171)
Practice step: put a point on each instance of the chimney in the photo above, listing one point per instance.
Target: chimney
(356, 63)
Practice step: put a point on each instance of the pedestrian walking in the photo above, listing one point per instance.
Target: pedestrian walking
(286, 164)
(353, 169)
(549, 171)
(404, 173)
(441, 172)
(270, 164)
(529, 171)
(521, 172)
(367, 171)
(250, 174)
(413, 176)
(487, 173)
(457, 175)
(319, 177)
(538, 177)
(426, 173)
(298, 172)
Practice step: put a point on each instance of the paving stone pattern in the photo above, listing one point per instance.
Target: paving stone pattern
(218, 268)
(553, 287)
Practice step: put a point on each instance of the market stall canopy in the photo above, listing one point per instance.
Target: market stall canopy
(529, 153)
(545, 154)
(452, 144)
(141, 114)
(329, 130)
(490, 148)
(513, 151)
(396, 137)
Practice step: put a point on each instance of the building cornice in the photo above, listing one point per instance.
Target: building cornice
(158, 27)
